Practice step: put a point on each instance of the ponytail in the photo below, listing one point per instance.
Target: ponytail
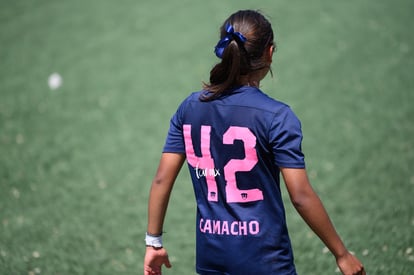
(240, 52)
(224, 74)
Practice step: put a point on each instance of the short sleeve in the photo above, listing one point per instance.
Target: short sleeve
(175, 141)
(286, 139)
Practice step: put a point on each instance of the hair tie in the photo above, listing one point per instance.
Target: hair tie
(225, 41)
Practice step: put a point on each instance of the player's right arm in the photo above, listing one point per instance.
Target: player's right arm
(310, 207)
(162, 184)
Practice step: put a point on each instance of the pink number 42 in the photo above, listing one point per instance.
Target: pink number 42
(205, 163)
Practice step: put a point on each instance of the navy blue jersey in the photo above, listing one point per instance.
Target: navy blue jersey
(234, 147)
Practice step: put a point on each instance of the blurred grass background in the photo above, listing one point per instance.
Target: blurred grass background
(76, 162)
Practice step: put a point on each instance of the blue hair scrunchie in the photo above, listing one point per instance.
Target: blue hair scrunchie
(225, 41)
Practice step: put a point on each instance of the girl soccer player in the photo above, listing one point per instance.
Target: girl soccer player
(237, 141)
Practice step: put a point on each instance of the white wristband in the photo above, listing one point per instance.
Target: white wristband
(155, 241)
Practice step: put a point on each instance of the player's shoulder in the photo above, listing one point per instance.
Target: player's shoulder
(193, 96)
(244, 96)
(256, 98)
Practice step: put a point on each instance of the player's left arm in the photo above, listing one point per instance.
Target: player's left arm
(310, 207)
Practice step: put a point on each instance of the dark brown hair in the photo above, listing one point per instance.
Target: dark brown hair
(240, 58)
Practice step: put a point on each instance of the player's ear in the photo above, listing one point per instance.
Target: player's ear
(270, 51)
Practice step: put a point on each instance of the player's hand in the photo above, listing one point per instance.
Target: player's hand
(350, 265)
(154, 259)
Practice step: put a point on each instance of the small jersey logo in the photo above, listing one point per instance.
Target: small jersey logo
(204, 172)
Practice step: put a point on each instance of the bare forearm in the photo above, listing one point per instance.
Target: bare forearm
(310, 207)
(314, 214)
(157, 208)
(168, 169)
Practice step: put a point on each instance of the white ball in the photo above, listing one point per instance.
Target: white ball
(55, 81)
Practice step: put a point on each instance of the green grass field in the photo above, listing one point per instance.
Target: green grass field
(76, 162)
